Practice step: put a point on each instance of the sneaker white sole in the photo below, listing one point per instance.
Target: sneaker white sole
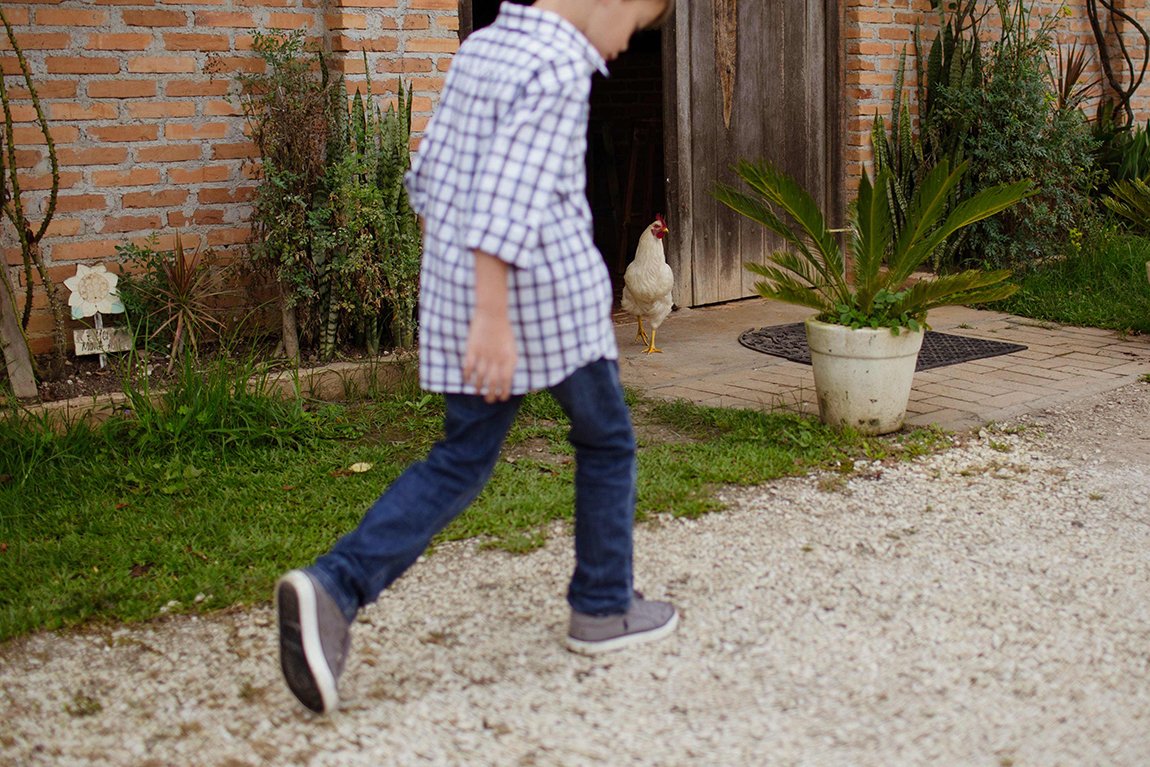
(309, 637)
(584, 647)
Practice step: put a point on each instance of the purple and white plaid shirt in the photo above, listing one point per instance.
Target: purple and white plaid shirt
(502, 169)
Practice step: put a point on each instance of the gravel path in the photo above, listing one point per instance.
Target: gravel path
(986, 606)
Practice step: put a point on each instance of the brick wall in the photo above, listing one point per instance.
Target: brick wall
(141, 101)
(876, 32)
(143, 110)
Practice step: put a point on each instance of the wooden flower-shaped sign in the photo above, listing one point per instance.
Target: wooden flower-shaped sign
(93, 290)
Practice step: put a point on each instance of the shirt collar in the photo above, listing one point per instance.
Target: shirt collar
(538, 22)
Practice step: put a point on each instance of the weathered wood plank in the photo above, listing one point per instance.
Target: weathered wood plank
(727, 52)
(677, 151)
(466, 19)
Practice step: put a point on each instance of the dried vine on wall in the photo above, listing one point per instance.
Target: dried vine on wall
(1124, 91)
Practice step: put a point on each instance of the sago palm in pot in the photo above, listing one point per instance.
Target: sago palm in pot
(867, 333)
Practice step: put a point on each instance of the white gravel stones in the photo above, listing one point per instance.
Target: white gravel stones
(985, 606)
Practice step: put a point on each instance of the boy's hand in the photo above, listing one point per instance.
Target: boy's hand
(490, 360)
(489, 363)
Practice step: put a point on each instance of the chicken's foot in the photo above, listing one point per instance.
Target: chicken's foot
(651, 347)
(642, 334)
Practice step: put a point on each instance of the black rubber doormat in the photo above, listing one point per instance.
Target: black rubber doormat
(938, 349)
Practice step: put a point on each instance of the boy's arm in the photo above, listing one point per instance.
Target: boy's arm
(490, 360)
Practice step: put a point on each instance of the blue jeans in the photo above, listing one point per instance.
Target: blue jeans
(431, 493)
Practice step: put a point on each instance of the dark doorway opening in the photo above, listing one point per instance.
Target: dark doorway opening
(626, 178)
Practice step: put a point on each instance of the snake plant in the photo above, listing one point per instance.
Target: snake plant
(878, 290)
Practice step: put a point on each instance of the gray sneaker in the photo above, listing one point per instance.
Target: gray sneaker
(314, 640)
(643, 622)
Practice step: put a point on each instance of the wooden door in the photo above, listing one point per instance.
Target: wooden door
(747, 79)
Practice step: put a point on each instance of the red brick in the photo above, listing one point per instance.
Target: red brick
(96, 156)
(416, 21)
(367, 3)
(222, 19)
(75, 65)
(448, 22)
(289, 20)
(162, 64)
(137, 177)
(202, 217)
(38, 42)
(182, 153)
(345, 21)
(235, 151)
(432, 45)
(229, 236)
(433, 5)
(61, 134)
(30, 183)
(59, 17)
(226, 195)
(345, 43)
(79, 202)
(207, 175)
(155, 18)
(53, 89)
(175, 42)
(235, 64)
(165, 199)
(77, 112)
(17, 17)
(76, 251)
(155, 110)
(185, 88)
(404, 66)
(193, 131)
(64, 227)
(123, 42)
(125, 133)
(221, 109)
(28, 158)
(267, 3)
(131, 224)
(24, 113)
(122, 89)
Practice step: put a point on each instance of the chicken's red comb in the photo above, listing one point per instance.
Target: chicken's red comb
(659, 218)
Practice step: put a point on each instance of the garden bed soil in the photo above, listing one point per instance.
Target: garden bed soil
(85, 379)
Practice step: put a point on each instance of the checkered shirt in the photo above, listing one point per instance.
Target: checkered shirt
(501, 169)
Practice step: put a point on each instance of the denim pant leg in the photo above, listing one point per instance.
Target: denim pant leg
(605, 475)
(417, 505)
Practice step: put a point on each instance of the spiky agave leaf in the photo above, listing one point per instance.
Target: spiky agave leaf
(785, 288)
(951, 289)
(1131, 200)
(874, 226)
(784, 192)
(985, 204)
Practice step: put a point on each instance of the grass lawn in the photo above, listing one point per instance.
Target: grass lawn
(214, 495)
(1103, 285)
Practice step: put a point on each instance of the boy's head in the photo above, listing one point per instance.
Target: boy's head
(610, 24)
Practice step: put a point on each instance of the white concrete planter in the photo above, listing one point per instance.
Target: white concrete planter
(863, 377)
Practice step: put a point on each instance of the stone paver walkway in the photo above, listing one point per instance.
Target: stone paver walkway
(703, 362)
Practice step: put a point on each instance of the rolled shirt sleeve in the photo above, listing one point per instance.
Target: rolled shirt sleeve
(517, 176)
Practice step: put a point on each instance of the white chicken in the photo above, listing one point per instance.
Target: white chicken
(647, 283)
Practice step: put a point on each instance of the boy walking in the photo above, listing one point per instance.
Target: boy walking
(514, 298)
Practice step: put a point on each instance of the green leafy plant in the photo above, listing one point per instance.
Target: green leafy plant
(814, 272)
(1131, 201)
(288, 106)
(22, 366)
(178, 293)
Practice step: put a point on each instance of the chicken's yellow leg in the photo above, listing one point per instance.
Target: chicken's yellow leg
(651, 348)
(642, 336)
